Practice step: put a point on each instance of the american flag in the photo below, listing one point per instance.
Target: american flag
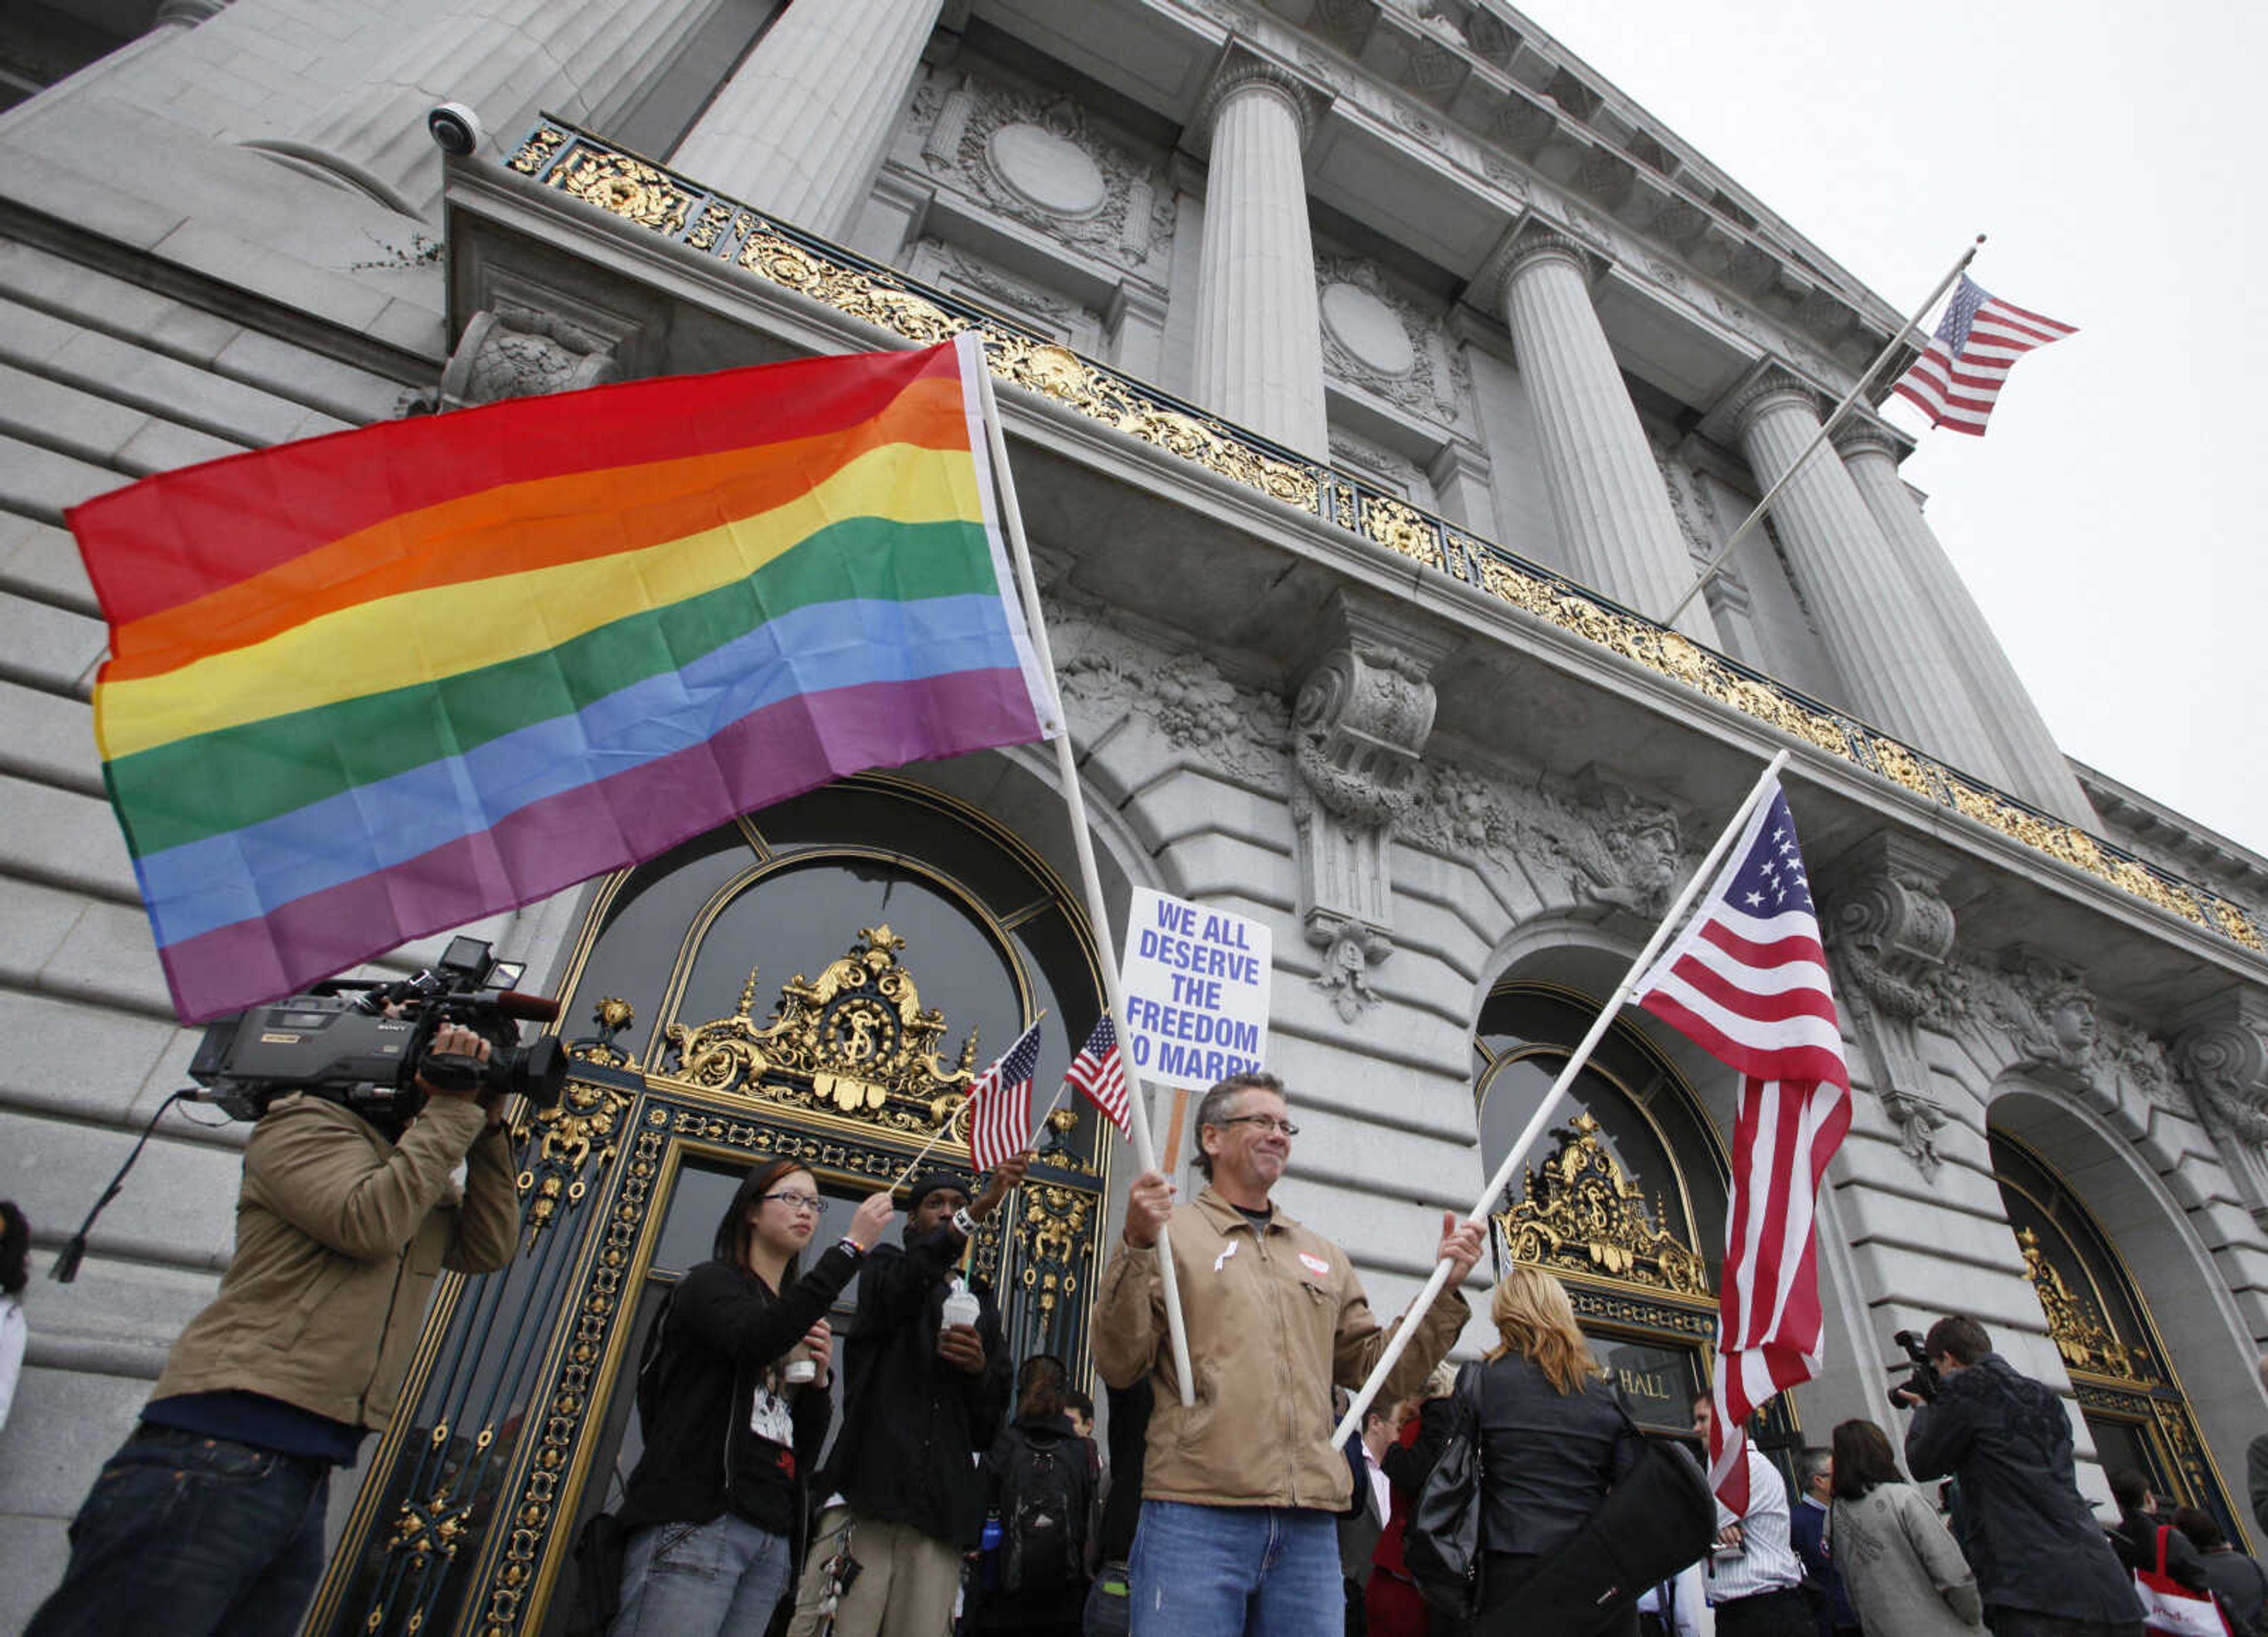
(1000, 1104)
(1099, 1072)
(1978, 342)
(1747, 981)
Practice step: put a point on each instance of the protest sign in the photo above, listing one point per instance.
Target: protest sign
(1197, 982)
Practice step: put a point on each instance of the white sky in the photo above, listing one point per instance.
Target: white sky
(2102, 521)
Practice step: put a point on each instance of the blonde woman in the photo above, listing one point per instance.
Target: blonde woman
(1553, 1438)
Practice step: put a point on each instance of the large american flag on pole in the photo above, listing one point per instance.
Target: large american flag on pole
(1747, 981)
(1000, 1104)
(1978, 342)
(1099, 1072)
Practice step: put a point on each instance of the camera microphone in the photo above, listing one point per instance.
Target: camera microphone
(525, 1008)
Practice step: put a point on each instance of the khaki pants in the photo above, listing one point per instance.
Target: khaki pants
(908, 1581)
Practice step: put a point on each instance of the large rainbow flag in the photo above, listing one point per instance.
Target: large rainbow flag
(375, 685)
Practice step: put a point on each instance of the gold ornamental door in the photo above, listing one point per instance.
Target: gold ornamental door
(519, 1421)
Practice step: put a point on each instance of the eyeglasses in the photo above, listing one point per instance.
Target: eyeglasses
(801, 1204)
(1266, 1122)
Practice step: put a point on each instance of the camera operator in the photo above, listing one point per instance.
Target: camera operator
(2043, 1568)
(210, 1518)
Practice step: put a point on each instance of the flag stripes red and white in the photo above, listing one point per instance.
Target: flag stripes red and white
(1978, 341)
(1747, 981)
(1100, 1073)
(1000, 1104)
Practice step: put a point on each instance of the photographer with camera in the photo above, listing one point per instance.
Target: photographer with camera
(2043, 1568)
(210, 1519)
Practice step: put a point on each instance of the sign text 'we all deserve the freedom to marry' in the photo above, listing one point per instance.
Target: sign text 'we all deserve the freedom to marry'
(1197, 984)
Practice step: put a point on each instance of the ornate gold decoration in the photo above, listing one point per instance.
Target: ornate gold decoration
(856, 1042)
(639, 192)
(581, 1125)
(2078, 1331)
(613, 1016)
(1581, 1214)
(1050, 1233)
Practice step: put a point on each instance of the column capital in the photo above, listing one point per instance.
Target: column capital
(1529, 240)
(1862, 435)
(1240, 69)
(1769, 388)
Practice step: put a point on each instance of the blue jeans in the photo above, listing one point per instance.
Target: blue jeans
(1236, 1571)
(718, 1579)
(189, 1535)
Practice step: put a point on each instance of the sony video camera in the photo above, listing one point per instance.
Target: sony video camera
(364, 1045)
(1922, 1380)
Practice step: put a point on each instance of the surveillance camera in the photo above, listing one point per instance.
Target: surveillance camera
(456, 129)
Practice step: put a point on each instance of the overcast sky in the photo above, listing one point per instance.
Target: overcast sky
(2103, 521)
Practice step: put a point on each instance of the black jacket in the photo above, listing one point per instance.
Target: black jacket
(912, 1422)
(2031, 1539)
(1547, 1458)
(720, 1334)
(2134, 1540)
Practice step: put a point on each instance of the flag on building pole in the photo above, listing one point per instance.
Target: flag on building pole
(371, 686)
(1100, 1073)
(1747, 981)
(1000, 1104)
(1978, 343)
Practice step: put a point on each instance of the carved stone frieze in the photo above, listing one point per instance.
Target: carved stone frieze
(2222, 1057)
(2049, 1022)
(1377, 337)
(1044, 161)
(1358, 730)
(1107, 672)
(512, 351)
(1893, 938)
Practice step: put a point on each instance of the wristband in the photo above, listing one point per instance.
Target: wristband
(856, 1248)
(965, 1223)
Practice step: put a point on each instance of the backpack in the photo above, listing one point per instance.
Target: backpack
(1441, 1538)
(1046, 1493)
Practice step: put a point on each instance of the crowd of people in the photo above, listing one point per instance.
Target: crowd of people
(963, 1491)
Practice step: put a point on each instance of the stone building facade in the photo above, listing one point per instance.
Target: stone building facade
(1374, 369)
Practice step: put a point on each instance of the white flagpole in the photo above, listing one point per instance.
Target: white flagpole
(1826, 430)
(1067, 771)
(1546, 1109)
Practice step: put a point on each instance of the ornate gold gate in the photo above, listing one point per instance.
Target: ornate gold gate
(468, 1515)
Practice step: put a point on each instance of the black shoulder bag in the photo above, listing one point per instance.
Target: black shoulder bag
(1441, 1539)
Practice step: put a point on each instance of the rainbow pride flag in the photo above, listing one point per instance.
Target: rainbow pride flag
(375, 685)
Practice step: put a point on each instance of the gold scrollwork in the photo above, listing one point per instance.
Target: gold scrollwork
(1581, 1214)
(581, 1124)
(623, 187)
(2078, 1331)
(639, 192)
(858, 1041)
(1051, 1234)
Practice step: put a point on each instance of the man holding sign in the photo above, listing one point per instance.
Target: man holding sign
(1240, 1492)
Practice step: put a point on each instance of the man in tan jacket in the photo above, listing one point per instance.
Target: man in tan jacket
(210, 1518)
(1240, 1492)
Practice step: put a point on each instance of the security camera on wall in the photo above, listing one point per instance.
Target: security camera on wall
(456, 129)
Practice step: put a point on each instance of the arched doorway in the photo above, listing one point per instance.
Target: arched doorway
(2129, 1392)
(1623, 1201)
(820, 980)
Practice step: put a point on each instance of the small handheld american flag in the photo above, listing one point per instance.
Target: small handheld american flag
(1000, 1104)
(1747, 982)
(1100, 1073)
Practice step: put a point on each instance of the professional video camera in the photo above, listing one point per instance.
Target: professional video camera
(1922, 1380)
(364, 1045)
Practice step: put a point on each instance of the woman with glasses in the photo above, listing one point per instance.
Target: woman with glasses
(713, 1510)
(1554, 1439)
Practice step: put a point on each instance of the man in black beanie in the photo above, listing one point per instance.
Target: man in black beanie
(926, 1377)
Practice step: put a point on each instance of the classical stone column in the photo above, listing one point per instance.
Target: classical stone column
(2028, 750)
(1260, 322)
(1885, 643)
(506, 59)
(800, 128)
(1606, 490)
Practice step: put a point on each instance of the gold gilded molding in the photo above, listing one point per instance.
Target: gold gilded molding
(856, 1042)
(583, 1122)
(2078, 1331)
(1581, 1215)
(1053, 1228)
(559, 156)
